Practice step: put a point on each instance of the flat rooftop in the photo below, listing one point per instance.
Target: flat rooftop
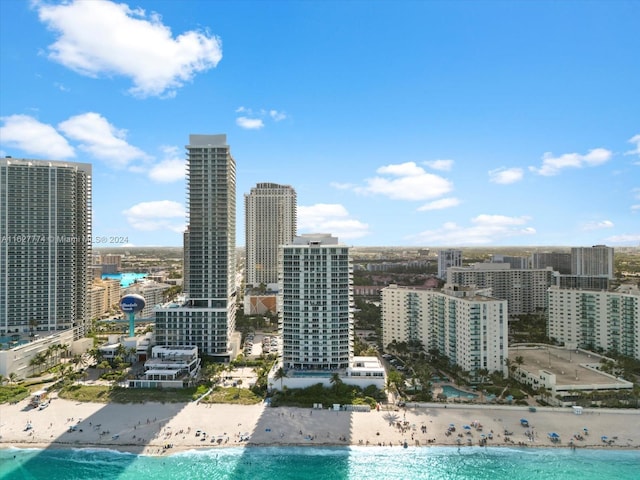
(565, 364)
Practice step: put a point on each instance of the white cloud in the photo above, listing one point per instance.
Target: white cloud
(632, 239)
(635, 208)
(598, 225)
(157, 215)
(34, 138)
(440, 204)
(505, 176)
(342, 186)
(443, 165)
(255, 119)
(636, 151)
(171, 168)
(413, 183)
(277, 116)
(553, 165)
(101, 139)
(105, 38)
(249, 123)
(330, 218)
(485, 230)
(401, 169)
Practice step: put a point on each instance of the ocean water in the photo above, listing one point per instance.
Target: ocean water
(325, 463)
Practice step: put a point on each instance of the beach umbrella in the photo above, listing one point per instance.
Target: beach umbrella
(554, 435)
(466, 427)
(604, 438)
(523, 420)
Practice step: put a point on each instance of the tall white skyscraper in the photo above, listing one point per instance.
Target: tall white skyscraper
(207, 319)
(45, 245)
(594, 261)
(270, 221)
(316, 304)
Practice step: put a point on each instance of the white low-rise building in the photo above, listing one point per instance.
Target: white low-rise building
(169, 367)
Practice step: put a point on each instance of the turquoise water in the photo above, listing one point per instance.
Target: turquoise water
(310, 463)
(126, 279)
(452, 392)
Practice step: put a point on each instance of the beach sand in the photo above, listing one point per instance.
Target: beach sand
(157, 429)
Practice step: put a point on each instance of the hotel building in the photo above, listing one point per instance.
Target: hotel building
(45, 245)
(207, 317)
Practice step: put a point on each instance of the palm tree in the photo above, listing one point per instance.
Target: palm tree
(336, 381)
(13, 377)
(280, 374)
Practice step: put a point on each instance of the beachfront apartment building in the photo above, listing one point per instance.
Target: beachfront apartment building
(316, 304)
(524, 289)
(45, 246)
(207, 316)
(590, 319)
(448, 258)
(270, 221)
(464, 324)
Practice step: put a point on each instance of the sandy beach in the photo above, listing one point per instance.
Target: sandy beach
(159, 429)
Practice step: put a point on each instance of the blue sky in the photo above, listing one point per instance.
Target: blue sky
(398, 123)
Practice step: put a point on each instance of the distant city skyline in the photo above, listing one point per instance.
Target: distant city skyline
(436, 124)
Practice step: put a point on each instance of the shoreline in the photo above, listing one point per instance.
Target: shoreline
(158, 429)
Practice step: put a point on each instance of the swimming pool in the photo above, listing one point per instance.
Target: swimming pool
(452, 392)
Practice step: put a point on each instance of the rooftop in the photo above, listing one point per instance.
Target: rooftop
(565, 364)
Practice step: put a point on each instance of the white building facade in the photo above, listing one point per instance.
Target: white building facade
(596, 319)
(466, 325)
(448, 258)
(596, 260)
(316, 304)
(45, 245)
(524, 289)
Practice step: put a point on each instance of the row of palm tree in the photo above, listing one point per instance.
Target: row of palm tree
(48, 358)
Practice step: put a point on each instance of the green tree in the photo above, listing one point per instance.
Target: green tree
(280, 374)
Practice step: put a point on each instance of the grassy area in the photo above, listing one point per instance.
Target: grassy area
(338, 393)
(106, 394)
(238, 396)
(13, 393)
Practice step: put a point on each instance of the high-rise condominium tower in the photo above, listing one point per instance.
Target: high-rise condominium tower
(270, 216)
(45, 245)
(207, 319)
(594, 261)
(316, 304)
(446, 259)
